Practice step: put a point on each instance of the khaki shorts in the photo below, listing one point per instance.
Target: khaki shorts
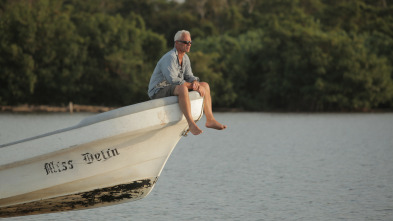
(165, 92)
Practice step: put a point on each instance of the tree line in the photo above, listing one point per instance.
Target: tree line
(259, 55)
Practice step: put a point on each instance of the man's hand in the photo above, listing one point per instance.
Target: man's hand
(195, 85)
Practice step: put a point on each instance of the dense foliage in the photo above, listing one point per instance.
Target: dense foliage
(293, 55)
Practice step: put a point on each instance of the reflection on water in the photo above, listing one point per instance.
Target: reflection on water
(263, 167)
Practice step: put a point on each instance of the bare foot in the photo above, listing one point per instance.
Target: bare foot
(215, 125)
(194, 129)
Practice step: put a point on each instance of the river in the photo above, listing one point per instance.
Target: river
(264, 166)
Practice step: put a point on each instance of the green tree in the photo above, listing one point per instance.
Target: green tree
(258, 55)
(307, 70)
(38, 52)
(220, 53)
(117, 48)
(53, 54)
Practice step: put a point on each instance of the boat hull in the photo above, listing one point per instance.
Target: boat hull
(83, 200)
(106, 159)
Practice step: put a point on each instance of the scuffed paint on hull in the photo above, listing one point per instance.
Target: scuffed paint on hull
(85, 200)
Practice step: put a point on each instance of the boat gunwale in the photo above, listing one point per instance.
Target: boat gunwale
(113, 114)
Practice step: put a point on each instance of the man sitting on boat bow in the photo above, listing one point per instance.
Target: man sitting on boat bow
(173, 77)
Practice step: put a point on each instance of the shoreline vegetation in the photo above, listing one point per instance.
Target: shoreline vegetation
(78, 108)
(265, 56)
(71, 108)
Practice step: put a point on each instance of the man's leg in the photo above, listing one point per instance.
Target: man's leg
(210, 121)
(185, 106)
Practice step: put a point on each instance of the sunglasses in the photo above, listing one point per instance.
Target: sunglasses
(185, 42)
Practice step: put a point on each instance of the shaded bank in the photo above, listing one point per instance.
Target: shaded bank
(291, 55)
(46, 108)
(99, 109)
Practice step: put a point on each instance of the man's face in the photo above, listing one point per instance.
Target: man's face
(181, 44)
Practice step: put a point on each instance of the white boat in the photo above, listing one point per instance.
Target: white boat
(108, 158)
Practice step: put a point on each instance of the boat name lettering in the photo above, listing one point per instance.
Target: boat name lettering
(103, 155)
(58, 167)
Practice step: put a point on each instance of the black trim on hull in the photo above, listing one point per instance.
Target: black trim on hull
(85, 200)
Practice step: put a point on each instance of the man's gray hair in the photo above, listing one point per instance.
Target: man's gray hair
(179, 34)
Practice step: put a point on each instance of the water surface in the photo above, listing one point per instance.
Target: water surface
(263, 167)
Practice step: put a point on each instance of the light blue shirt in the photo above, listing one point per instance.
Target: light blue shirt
(168, 71)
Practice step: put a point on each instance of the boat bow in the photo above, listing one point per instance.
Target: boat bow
(112, 157)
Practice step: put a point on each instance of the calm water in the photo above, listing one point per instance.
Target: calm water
(263, 167)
